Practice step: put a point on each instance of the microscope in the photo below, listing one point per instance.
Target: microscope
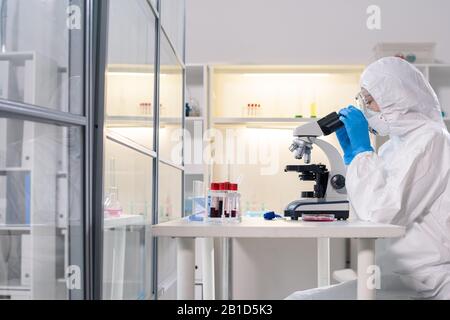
(329, 195)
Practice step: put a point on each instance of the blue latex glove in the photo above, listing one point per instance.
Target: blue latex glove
(357, 129)
(346, 146)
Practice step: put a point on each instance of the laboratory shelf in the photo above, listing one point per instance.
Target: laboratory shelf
(14, 285)
(17, 228)
(17, 56)
(139, 121)
(194, 169)
(13, 169)
(194, 119)
(15, 288)
(195, 67)
(123, 221)
(170, 120)
(129, 121)
(261, 120)
(266, 69)
(432, 65)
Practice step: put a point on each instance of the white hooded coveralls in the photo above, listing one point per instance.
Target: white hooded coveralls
(407, 183)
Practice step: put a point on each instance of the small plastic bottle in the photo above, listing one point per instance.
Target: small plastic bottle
(313, 110)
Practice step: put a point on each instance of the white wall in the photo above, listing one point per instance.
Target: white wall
(308, 31)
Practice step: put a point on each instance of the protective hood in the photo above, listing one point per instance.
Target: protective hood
(405, 97)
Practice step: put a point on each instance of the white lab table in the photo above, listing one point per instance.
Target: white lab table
(365, 232)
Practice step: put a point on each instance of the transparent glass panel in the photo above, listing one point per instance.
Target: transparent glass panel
(170, 206)
(127, 219)
(171, 105)
(154, 3)
(173, 22)
(130, 77)
(41, 53)
(128, 175)
(169, 192)
(41, 211)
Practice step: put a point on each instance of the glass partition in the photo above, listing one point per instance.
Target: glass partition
(171, 104)
(170, 171)
(129, 151)
(172, 21)
(41, 211)
(130, 74)
(41, 53)
(170, 190)
(128, 202)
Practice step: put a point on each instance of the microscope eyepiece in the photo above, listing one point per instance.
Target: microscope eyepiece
(330, 123)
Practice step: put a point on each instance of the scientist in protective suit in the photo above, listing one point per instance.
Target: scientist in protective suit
(406, 183)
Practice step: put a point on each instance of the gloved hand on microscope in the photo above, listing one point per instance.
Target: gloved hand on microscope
(354, 136)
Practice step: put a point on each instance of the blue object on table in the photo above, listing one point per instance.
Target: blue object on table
(271, 215)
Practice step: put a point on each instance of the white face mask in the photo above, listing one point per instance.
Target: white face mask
(378, 125)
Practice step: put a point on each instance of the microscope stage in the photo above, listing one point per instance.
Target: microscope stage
(338, 208)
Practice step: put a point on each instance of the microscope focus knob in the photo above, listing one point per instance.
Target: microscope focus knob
(338, 182)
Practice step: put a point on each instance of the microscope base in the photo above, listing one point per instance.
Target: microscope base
(296, 209)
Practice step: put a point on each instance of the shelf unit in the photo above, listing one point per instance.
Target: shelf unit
(282, 92)
(27, 182)
(197, 91)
